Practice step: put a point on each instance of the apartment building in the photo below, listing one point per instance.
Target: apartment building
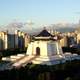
(18, 39)
(3, 40)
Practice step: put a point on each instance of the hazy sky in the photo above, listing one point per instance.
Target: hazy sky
(39, 11)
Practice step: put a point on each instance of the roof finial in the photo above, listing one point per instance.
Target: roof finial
(44, 28)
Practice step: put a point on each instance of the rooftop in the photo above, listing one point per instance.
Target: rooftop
(44, 33)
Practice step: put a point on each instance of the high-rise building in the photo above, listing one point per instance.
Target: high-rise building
(3, 40)
(63, 41)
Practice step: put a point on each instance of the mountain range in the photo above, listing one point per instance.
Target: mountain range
(61, 27)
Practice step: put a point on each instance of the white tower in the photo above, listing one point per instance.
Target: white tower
(46, 49)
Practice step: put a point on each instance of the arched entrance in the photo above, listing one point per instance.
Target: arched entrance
(37, 51)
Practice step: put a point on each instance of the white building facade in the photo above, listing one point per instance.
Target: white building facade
(46, 48)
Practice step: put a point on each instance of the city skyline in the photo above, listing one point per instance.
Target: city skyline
(39, 11)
